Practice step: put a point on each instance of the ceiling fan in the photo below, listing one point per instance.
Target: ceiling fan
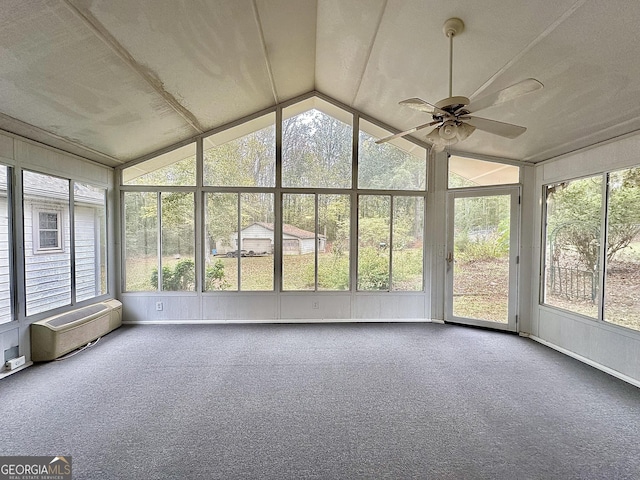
(452, 117)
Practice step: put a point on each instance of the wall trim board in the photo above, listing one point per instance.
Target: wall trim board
(599, 366)
(282, 320)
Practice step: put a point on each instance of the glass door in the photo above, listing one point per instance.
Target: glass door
(482, 257)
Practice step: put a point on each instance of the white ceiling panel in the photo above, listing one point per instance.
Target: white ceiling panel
(289, 30)
(207, 54)
(58, 76)
(346, 34)
(116, 80)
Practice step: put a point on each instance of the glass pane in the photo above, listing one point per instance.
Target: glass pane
(469, 172)
(178, 239)
(256, 241)
(395, 165)
(47, 272)
(221, 225)
(141, 241)
(622, 282)
(333, 241)
(242, 156)
(572, 270)
(316, 145)
(481, 258)
(90, 227)
(408, 227)
(5, 274)
(177, 167)
(373, 242)
(299, 242)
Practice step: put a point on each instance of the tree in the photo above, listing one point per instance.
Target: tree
(574, 217)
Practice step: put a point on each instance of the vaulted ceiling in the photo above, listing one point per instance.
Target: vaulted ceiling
(115, 80)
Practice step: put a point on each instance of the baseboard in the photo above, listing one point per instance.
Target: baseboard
(6, 373)
(282, 320)
(599, 366)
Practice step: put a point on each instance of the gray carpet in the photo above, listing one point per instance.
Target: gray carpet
(323, 401)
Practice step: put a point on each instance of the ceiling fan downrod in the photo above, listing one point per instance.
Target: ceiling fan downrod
(451, 28)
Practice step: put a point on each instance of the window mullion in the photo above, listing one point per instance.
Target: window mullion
(602, 261)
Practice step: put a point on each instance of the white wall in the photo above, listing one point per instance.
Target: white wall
(19, 153)
(606, 346)
(274, 307)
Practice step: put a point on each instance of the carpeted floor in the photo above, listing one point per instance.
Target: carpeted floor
(323, 401)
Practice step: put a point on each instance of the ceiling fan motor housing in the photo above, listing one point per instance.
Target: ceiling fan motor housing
(452, 104)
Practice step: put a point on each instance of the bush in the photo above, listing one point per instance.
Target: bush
(180, 277)
(373, 270)
(214, 277)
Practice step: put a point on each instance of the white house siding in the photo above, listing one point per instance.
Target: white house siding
(47, 275)
(87, 253)
(5, 292)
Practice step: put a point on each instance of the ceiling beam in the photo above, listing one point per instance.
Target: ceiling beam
(265, 52)
(370, 50)
(152, 80)
(547, 31)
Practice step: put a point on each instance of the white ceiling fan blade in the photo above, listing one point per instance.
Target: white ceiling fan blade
(422, 106)
(507, 130)
(406, 132)
(505, 95)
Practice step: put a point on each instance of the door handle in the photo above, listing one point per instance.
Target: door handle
(450, 257)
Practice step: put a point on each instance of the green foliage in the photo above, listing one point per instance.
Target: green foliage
(574, 218)
(481, 250)
(180, 277)
(333, 272)
(373, 269)
(214, 277)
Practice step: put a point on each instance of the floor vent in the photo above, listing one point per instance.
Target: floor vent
(58, 335)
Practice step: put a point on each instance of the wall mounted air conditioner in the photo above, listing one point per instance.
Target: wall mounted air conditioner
(60, 334)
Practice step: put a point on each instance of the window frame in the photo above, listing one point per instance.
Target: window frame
(601, 279)
(38, 249)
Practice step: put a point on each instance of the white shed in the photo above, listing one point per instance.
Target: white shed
(295, 241)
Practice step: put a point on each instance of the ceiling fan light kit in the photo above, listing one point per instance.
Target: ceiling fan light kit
(452, 116)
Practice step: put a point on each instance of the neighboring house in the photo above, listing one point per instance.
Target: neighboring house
(47, 248)
(259, 237)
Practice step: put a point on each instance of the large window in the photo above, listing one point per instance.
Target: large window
(159, 222)
(572, 255)
(396, 165)
(284, 192)
(242, 156)
(174, 168)
(90, 235)
(315, 242)
(141, 241)
(241, 261)
(577, 262)
(47, 252)
(622, 281)
(390, 243)
(317, 140)
(5, 249)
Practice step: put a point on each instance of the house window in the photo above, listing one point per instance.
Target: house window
(47, 233)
